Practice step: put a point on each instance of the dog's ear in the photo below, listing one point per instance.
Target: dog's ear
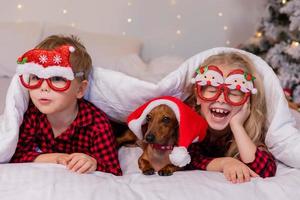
(144, 128)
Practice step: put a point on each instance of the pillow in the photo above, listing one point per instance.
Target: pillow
(131, 65)
(16, 38)
(161, 66)
(105, 50)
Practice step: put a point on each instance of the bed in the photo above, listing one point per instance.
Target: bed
(51, 181)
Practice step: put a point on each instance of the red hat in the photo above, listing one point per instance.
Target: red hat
(192, 127)
(47, 63)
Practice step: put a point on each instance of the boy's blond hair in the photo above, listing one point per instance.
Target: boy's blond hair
(255, 124)
(80, 59)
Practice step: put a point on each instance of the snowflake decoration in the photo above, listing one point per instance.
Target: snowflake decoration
(57, 59)
(43, 59)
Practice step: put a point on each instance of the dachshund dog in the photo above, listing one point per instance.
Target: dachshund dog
(160, 136)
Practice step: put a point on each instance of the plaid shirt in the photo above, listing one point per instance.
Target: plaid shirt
(264, 163)
(90, 133)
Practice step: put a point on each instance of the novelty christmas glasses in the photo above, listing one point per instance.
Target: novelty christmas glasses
(236, 87)
(38, 65)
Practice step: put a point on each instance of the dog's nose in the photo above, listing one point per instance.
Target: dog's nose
(150, 138)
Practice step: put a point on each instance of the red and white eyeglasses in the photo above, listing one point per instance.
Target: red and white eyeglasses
(56, 83)
(237, 87)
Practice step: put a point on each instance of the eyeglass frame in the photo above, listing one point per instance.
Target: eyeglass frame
(41, 80)
(221, 89)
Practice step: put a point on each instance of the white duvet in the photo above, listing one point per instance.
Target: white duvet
(118, 95)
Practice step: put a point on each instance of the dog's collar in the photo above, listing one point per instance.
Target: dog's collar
(162, 147)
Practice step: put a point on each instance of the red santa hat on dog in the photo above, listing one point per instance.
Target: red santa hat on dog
(192, 127)
(47, 63)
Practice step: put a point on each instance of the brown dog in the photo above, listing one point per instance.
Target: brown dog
(160, 135)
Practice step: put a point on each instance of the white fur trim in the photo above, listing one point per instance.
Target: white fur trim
(180, 156)
(135, 125)
(42, 72)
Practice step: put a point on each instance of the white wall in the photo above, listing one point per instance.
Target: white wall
(155, 22)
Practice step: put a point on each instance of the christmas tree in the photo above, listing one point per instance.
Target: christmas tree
(277, 42)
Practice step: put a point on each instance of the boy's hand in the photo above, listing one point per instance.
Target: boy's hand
(62, 159)
(81, 163)
(237, 172)
(240, 117)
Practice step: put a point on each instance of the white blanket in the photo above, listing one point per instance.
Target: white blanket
(118, 95)
(33, 181)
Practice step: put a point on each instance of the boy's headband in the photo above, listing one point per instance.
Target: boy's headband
(47, 63)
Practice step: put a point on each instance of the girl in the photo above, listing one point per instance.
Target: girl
(228, 93)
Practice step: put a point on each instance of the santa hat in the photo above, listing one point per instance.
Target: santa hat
(247, 77)
(47, 63)
(192, 127)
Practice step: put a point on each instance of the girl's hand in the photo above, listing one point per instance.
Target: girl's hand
(81, 163)
(240, 117)
(237, 172)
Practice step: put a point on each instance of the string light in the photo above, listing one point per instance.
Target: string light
(178, 32)
(225, 28)
(65, 11)
(220, 14)
(283, 1)
(19, 6)
(295, 44)
(178, 16)
(123, 33)
(73, 24)
(129, 20)
(129, 3)
(228, 42)
(258, 34)
(173, 2)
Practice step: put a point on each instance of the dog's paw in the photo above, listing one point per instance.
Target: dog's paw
(150, 171)
(165, 172)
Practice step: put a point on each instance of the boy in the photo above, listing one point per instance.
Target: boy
(59, 126)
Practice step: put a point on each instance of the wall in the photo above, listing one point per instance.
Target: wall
(167, 27)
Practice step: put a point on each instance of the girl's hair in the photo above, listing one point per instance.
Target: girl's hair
(80, 59)
(255, 124)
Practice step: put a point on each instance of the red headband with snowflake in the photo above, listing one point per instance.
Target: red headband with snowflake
(47, 63)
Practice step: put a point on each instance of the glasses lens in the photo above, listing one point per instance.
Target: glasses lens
(236, 96)
(30, 80)
(58, 82)
(208, 92)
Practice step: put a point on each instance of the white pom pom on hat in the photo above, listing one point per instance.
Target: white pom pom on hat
(192, 127)
(71, 49)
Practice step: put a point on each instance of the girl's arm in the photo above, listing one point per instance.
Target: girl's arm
(244, 143)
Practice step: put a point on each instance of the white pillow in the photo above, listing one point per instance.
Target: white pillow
(105, 50)
(160, 67)
(131, 65)
(16, 38)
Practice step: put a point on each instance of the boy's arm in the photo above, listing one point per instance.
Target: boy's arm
(104, 147)
(27, 149)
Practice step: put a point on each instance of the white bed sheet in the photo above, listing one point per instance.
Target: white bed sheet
(50, 181)
(4, 83)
